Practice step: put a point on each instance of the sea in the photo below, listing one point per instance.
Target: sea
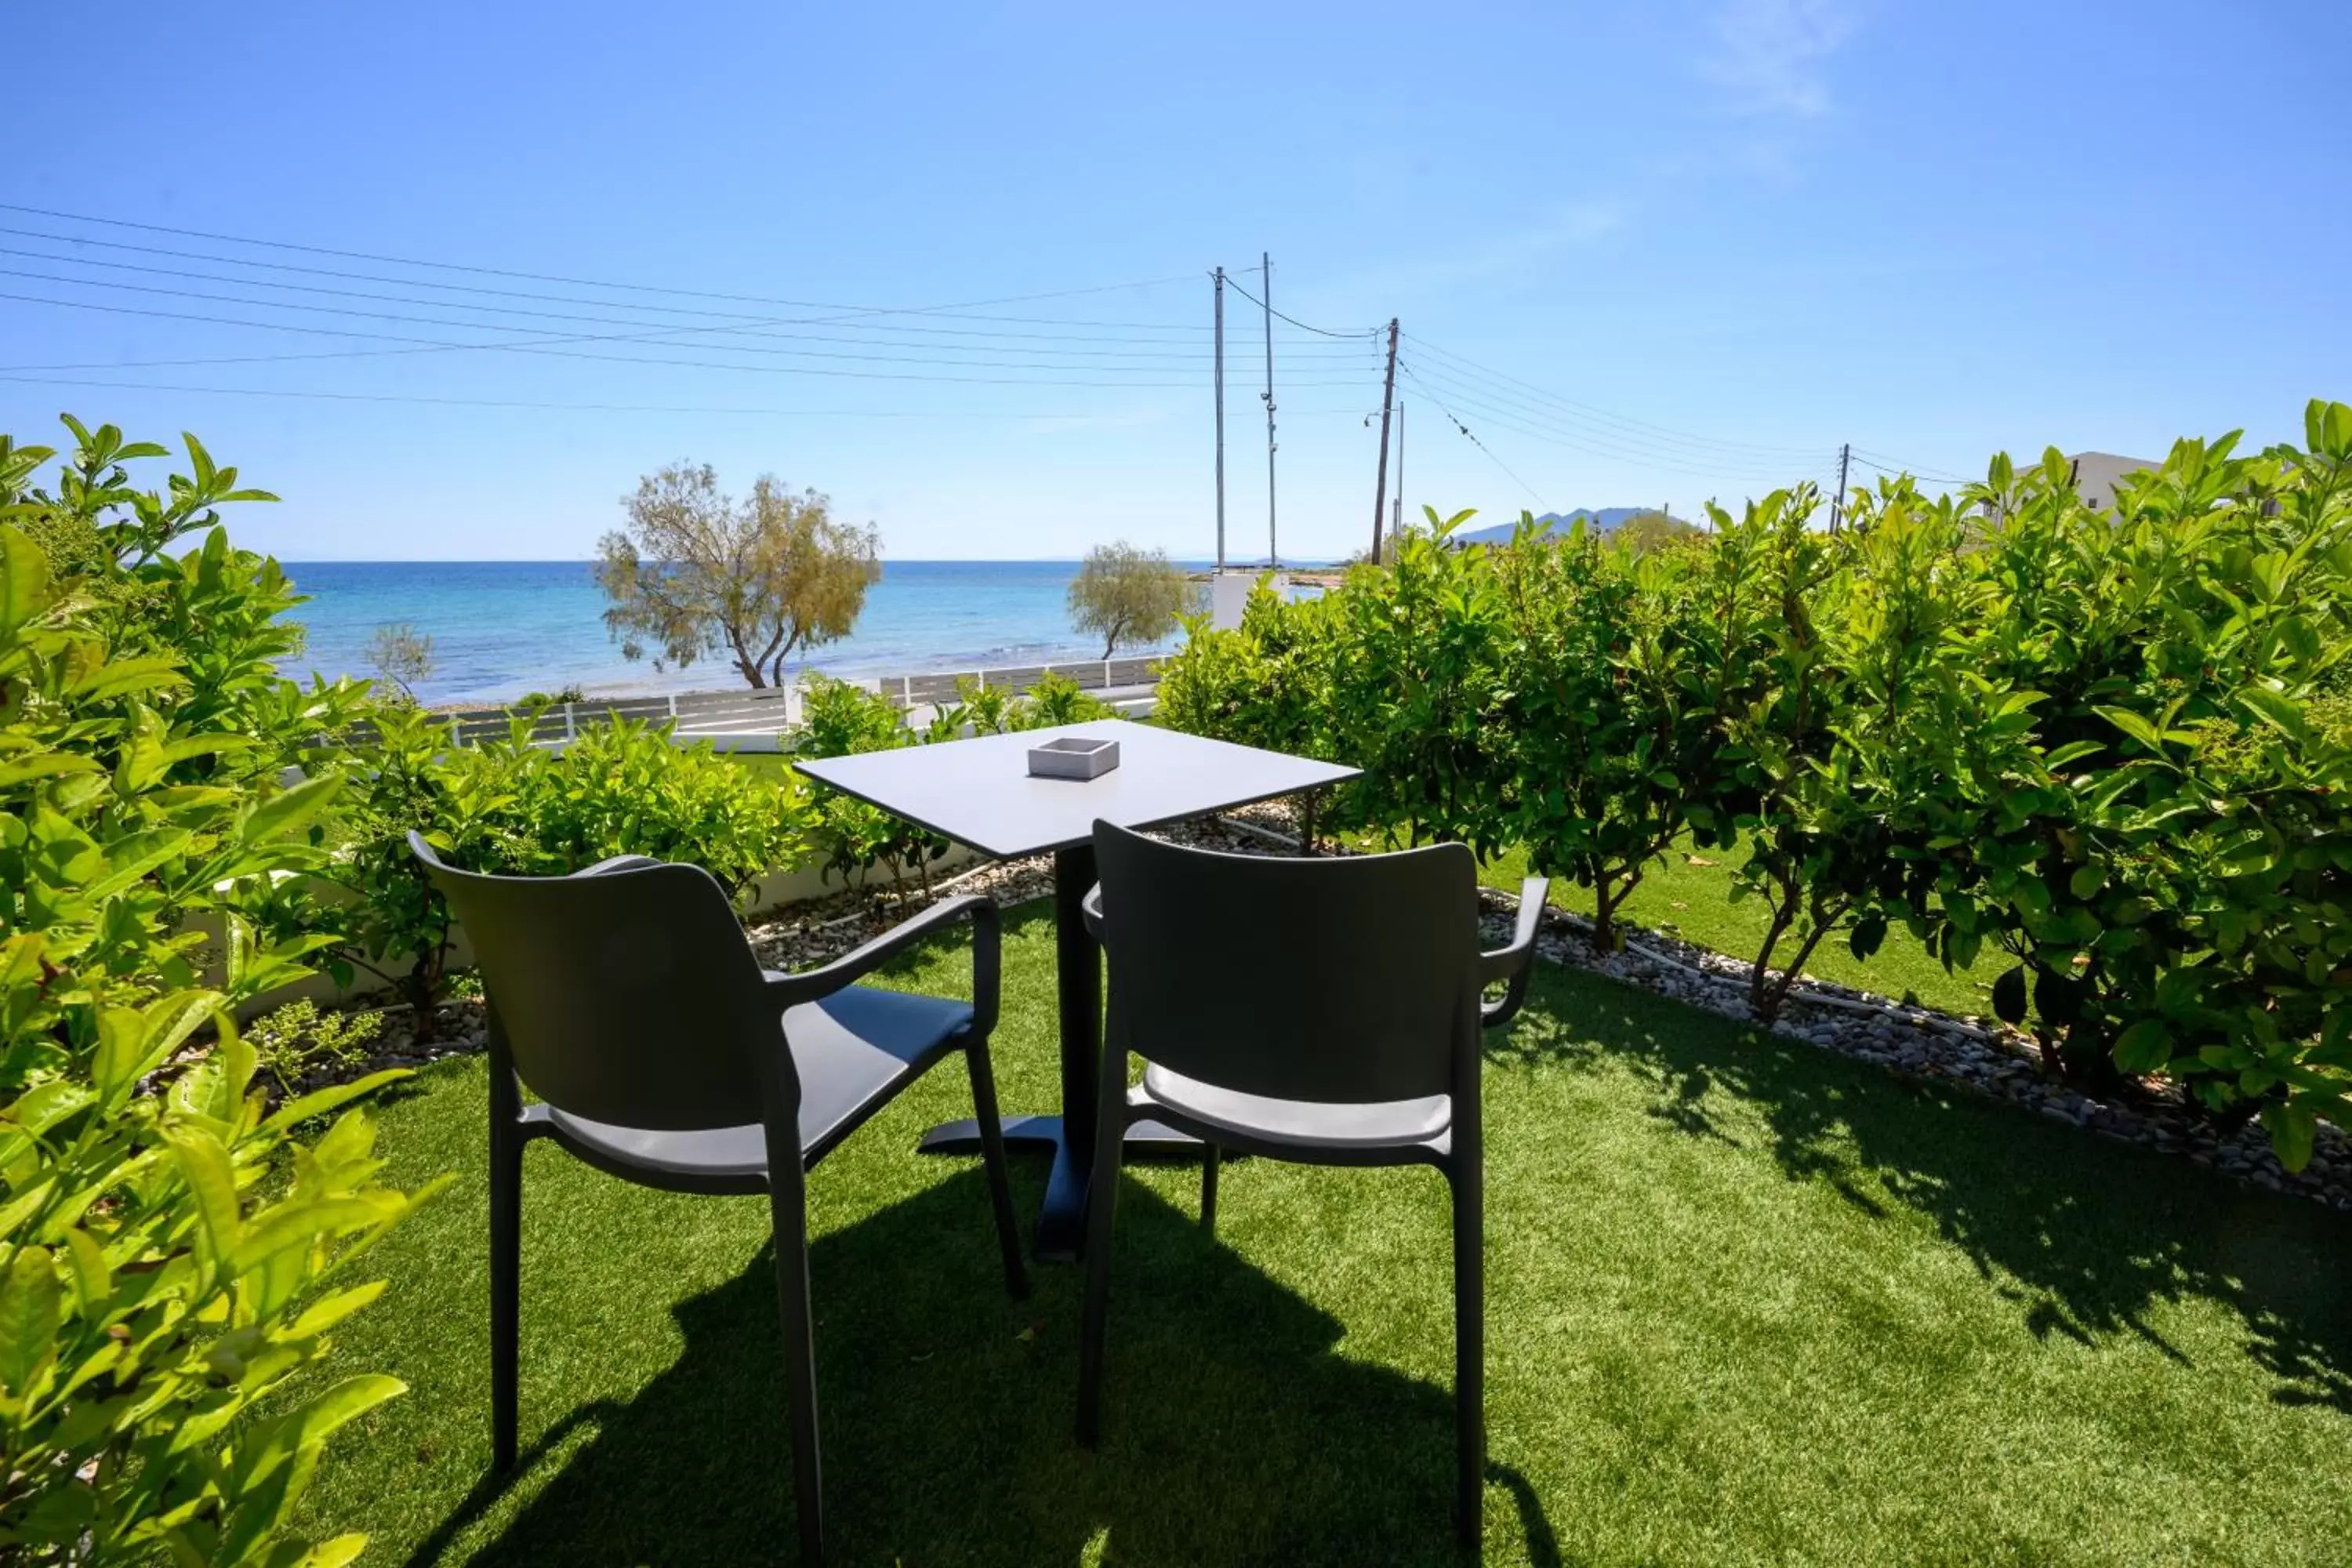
(504, 628)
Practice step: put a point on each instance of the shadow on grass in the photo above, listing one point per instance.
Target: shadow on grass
(2084, 1233)
(1232, 1432)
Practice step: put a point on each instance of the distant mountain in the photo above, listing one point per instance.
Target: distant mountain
(1605, 521)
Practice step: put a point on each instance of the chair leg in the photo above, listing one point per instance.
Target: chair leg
(1209, 1159)
(788, 1200)
(991, 1156)
(506, 1290)
(1469, 1346)
(1102, 1201)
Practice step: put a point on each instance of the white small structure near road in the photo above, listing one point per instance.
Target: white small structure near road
(1229, 594)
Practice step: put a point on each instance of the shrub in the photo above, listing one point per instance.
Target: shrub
(157, 1287)
(509, 806)
(839, 718)
(2115, 746)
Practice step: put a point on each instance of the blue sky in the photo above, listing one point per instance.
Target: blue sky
(1644, 253)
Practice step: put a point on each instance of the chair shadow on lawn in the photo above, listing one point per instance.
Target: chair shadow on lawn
(2084, 1232)
(1231, 1434)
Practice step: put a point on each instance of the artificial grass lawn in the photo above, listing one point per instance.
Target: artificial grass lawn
(1747, 1303)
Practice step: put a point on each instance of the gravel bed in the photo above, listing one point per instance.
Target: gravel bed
(1983, 1055)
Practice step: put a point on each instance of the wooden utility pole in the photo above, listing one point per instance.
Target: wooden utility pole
(1265, 298)
(1221, 419)
(1387, 408)
(1837, 502)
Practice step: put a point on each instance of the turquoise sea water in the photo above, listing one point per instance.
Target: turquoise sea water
(501, 628)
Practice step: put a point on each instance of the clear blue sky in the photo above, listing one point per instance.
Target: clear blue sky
(1707, 241)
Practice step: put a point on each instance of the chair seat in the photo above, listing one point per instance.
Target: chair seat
(852, 1049)
(1306, 1124)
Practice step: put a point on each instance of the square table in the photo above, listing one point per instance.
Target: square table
(979, 792)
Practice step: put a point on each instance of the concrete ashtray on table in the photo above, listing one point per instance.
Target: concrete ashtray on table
(1073, 757)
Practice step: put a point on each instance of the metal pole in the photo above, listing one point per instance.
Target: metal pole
(1265, 287)
(1837, 502)
(1387, 410)
(1221, 420)
(1397, 528)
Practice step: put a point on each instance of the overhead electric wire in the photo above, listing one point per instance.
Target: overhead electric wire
(576, 282)
(308, 395)
(1521, 422)
(546, 347)
(749, 325)
(1153, 359)
(1568, 408)
(1365, 332)
(1666, 459)
(1886, 464)
(1473, 438)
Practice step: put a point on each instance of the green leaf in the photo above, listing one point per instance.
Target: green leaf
(205, 1164)
(2292, 1127)
(288, 810)
(2145, 1047)
(2132, 724)
(2009, 996)
(2273, 709)
(29, 1304)
(2087, 882)
(24, 580)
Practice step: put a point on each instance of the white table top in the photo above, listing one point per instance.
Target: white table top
(979, 792)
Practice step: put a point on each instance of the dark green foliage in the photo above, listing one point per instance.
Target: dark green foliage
(621, 788)
(2114, 746)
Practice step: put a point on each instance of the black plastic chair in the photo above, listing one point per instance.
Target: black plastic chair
(1320, 1010)
(626, 998)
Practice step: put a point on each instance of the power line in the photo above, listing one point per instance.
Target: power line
(1538, 426)
(546, 347)
(1364, 332)
(572, 283)
(311, 396)
(659, 331)
(732, 324)
(1610, 426)
(1894, 465)
(1473, 440)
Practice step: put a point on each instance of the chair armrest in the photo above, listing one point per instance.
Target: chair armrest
(1511, 964)
(987, 959)
(617, 863)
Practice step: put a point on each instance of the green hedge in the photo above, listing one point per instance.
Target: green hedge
(2109, 749)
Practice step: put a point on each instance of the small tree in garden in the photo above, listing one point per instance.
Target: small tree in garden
(696, 572)
(402, 656)
(1127, 597)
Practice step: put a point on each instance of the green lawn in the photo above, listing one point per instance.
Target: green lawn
(1748, 1303)
(1688, 893)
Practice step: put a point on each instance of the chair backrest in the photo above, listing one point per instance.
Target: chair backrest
(1345, 979)
(627, 997)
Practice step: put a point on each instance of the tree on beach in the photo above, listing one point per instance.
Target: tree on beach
(696, 572)
(1124, 594)
(402, 656)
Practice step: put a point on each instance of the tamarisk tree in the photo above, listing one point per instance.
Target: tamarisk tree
(698, 573)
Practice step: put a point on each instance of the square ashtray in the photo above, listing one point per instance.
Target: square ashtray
(1073, 757)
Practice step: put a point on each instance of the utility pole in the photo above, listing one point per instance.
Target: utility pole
(1221, 420)
(1837, 502)
(1396, 528)
(1387, 408)
(1265, 298)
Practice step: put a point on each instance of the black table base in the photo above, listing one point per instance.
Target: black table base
(1062, 1222)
